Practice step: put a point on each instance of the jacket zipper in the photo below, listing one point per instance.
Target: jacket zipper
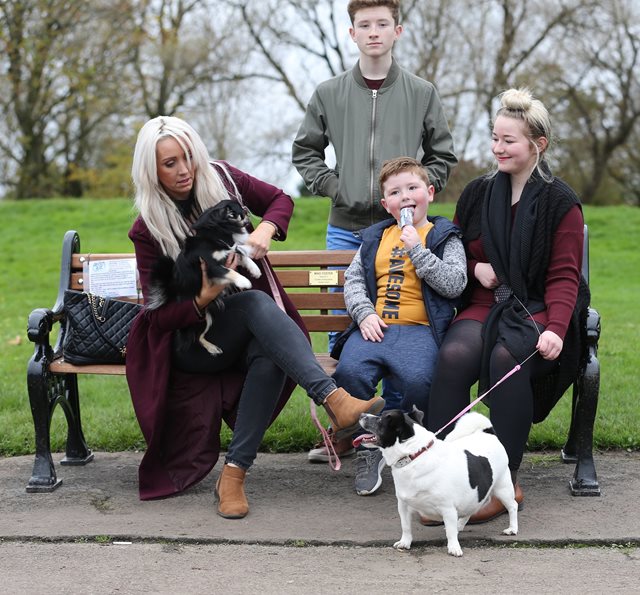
(374, 96)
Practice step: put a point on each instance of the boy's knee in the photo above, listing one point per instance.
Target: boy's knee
(343, 373)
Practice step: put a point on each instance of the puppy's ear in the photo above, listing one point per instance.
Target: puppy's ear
(416, 415)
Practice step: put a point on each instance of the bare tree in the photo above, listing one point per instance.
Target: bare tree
(579, 57)
(65, 76)
(299, 42)
(601, 99)
(76, 76)
(100, 86)
(34, 39)
(180, 45)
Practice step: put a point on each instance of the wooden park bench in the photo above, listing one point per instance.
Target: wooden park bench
(307, 276)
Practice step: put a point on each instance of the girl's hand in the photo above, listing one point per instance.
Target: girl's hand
(372, 328)
(549, 345)
(486, 275)
(260, 239)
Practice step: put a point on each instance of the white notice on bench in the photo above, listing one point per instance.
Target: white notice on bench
(112, 278)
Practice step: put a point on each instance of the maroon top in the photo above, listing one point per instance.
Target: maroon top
(180, 414)
(561, 285)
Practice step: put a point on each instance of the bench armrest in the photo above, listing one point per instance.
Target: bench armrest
(39, 327)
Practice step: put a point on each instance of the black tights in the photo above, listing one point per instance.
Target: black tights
(511, 403)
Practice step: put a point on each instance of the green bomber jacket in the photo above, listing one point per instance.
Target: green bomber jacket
(366, 127)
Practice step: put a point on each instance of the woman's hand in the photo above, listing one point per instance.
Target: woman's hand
(260, 239)
(549, 345)
(486, 275)
(372, 328)
(210, 291)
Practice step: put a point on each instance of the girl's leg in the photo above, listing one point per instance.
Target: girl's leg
(457, 370)
(511, 414)
(290, 350)
(512, 401)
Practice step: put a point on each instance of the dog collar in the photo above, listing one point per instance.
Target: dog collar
(404, 461)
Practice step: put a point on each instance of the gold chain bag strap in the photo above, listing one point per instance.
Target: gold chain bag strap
(96, 328)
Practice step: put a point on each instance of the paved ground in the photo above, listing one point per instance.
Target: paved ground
(307, 532)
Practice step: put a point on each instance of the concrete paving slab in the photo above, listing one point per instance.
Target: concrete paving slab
(294, 502)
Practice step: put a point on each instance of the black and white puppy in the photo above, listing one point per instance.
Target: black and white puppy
(446, 480)
(218, 232)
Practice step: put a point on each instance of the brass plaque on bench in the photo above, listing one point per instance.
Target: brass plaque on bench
(323, 278)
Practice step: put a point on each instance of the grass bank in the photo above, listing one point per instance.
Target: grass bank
(29, 268)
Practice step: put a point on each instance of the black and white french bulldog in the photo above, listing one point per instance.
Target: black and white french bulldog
(446, 480)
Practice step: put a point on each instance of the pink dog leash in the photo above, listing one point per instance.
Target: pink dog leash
(325, 438)
(473, 403)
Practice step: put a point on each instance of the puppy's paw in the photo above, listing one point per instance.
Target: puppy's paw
(510, 531)
(211, 348)
(454, 549)
(253, 268)
(402, 545)
(241, 282)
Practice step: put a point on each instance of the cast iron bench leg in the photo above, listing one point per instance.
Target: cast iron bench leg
(77, 451)
(579, 446)
(40, 386)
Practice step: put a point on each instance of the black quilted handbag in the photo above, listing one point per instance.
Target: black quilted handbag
(96, 328)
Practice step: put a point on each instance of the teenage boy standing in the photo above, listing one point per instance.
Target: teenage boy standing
(374, 112)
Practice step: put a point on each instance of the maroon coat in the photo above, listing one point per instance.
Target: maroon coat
(180, 414)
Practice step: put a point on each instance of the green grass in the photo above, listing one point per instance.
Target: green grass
(29, 273)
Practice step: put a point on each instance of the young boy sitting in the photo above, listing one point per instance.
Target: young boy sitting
(400, 290)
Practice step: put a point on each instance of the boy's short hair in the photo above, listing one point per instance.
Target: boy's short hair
(398, 165)
(356, 5)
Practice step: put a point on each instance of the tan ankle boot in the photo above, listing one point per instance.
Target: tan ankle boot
(494, 508)
(344, 411)
(232, 503)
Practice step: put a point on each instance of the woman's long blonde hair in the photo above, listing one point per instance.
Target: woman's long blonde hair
(157, 209)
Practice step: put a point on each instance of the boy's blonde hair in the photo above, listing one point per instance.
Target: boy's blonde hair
(356, 5)
(399, 165)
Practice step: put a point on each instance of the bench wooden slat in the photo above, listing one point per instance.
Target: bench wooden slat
(288, 278)
(326, 322)
(298, 278)
(317, 301)
(278, 258)
(78, 259)
(59, 366)
(310, 258)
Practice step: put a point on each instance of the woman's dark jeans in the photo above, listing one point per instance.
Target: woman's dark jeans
(256, 336)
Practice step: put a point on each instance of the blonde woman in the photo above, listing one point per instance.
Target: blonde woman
(181, 396)
(523, 233)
